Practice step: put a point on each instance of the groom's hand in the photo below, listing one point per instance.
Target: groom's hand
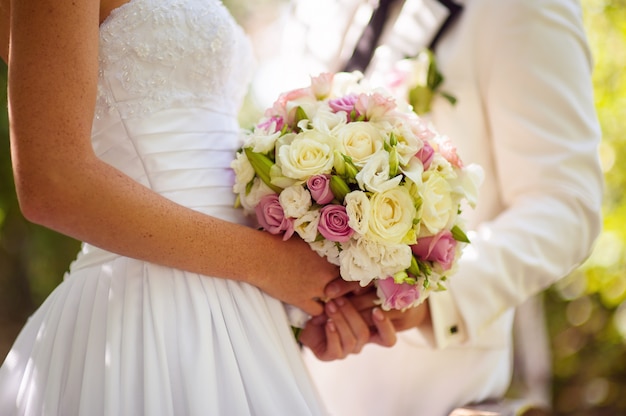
(363, 299)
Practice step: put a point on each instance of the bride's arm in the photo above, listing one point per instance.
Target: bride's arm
(61, 184)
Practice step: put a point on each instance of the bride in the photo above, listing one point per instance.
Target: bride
(123, 126)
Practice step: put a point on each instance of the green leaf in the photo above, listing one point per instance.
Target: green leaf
(459, 235)
(450, 98)
(261, 165)
(296, 332)
(350, 168)
(300, 115)
(414, 268)
(339, 187)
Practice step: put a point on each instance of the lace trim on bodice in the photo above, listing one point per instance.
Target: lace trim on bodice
(158, 54)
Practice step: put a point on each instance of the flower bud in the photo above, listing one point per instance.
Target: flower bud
(351, 169)
(394, 163)
(261, 165)
(339, 163)
(339, 187)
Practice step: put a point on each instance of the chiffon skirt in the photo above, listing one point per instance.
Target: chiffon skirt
(125, 337)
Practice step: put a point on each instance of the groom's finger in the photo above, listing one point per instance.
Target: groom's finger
(343, 328)
(340, 287)
(359, 328)
(385, 334)
(365, 301)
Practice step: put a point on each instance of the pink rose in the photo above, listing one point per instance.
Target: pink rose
(319, 186)
(345, 103)
(426, 154)
(333, 224)
(439, 248)
(397, 295)
(271, 217)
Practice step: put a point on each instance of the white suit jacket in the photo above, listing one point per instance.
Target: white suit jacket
(520, 71)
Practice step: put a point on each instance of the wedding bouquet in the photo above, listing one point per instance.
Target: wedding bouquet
(369, 186)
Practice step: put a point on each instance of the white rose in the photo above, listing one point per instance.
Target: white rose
(327, 249)
(295, 200)
(358, 210)
(262, 141)
(392, 215)
(437, 206)
(306, 226)
(244, 172)
(359, 140)
(356, 262)
(374, 176)
(310, 153)
(326, 120)
(258, 190)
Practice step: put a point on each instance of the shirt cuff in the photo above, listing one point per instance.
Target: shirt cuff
(447, 324)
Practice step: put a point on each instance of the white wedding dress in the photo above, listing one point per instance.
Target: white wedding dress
(121, 336)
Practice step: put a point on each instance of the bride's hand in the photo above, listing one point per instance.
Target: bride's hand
(342, 330)
(295, 274)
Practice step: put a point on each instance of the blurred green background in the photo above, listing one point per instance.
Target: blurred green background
(586, 311)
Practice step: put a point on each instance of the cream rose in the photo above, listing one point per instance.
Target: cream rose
(359, 140)
(392, 215)
(437, 206)
(309, 153)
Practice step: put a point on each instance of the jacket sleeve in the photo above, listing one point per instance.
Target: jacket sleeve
(534, 75)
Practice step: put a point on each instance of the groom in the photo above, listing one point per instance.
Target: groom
(520, 72)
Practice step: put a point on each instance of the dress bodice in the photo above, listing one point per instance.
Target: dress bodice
(172, 76)
(155, 54)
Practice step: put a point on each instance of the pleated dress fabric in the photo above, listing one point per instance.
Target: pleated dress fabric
(121, 336)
